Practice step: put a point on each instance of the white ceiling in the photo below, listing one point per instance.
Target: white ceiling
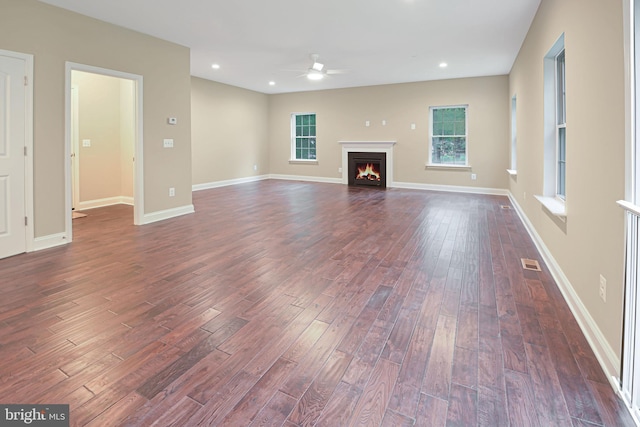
(376, 41)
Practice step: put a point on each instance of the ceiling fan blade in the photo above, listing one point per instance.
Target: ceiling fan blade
(337, 71)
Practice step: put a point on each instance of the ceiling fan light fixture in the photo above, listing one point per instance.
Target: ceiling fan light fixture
(314, 75)
(317, 66)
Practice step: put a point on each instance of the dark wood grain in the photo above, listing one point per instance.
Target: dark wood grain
(282, 303)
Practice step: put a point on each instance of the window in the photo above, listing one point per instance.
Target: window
(303, 136)
(555, 130)
(448, 126)
(561, 127)
(514, 135)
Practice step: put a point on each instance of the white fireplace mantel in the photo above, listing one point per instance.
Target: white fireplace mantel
(367, 147)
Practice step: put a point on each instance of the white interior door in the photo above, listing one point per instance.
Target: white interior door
(13, 230)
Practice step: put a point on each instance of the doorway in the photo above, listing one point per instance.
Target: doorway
(104, 140)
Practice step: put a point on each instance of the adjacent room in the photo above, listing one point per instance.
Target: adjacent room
(400, 213)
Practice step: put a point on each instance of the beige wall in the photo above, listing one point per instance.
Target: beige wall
(229, 132)
(105, 118)
(590, 243)
(341, 115)
(54, 36)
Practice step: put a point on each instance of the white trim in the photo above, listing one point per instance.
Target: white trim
(293, 136)
(367, 147)
(606, 356)
(303, 162)
(512, 172)
(138, 181)
(50, 241)
(445, 166)
(430, 162)
(225, 183)
(629, 206)
(451, 188)
(403, 185)
(167, 214)
(306, 178)
(109, 201)
(30, 244)
(554, 205)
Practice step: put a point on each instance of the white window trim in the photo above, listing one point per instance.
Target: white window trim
(292, 158)
(430, 163)
(513, 170)
(549, 198)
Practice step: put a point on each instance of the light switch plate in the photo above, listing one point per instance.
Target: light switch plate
(168, 143)
(86, 143)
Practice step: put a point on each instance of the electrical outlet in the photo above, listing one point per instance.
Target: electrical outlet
(473, 177)
(339, 170)
(603, 288)
(86, 143)
(167, 143)
(172, 192)
(255, 167)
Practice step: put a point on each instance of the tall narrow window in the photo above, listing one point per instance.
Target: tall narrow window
(514, 136)
(303, 136)
(561, 127)
(448, 145)
(555, 130)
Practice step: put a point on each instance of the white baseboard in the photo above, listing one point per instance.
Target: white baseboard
(306, 178)
(167, 214)
(217, 184)
(50, 241)
(450, 188)
(606, 356)
(109, 201)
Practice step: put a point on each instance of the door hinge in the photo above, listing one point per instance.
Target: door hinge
(26, 221)
(26, 81)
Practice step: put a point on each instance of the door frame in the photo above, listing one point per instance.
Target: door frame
(28, 142)
(138, 176)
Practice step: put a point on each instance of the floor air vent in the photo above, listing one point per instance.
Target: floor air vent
(530, 264)
(505, 207)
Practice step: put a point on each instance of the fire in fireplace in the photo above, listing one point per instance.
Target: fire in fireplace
(367, 169)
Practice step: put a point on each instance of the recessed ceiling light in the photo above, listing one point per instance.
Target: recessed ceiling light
(215, 66)
(443, 65)
(272, 83)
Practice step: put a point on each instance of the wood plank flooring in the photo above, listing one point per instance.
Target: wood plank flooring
(298, 304)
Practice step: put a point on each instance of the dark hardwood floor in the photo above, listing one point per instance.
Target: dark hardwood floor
(299, 304)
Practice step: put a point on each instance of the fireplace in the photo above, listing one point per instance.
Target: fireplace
(367, 169)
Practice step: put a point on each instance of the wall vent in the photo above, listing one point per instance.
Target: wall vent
(530, 264)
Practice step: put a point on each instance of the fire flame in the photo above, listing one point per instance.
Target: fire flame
(368, 172)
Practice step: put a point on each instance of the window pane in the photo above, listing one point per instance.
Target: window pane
(447, 128)
(459, 114)
(449, 150)
(312, 119)
(298, 120)
(562, 162)
(437, 128)
(298, 153)
(437, 115)
(459, 128)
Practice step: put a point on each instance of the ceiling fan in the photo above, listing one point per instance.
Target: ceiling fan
(317, 70)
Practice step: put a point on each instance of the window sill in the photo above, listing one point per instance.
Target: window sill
(555, 206)
(629, 207)
(302, 162)
(512, 172)
(448, 167)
